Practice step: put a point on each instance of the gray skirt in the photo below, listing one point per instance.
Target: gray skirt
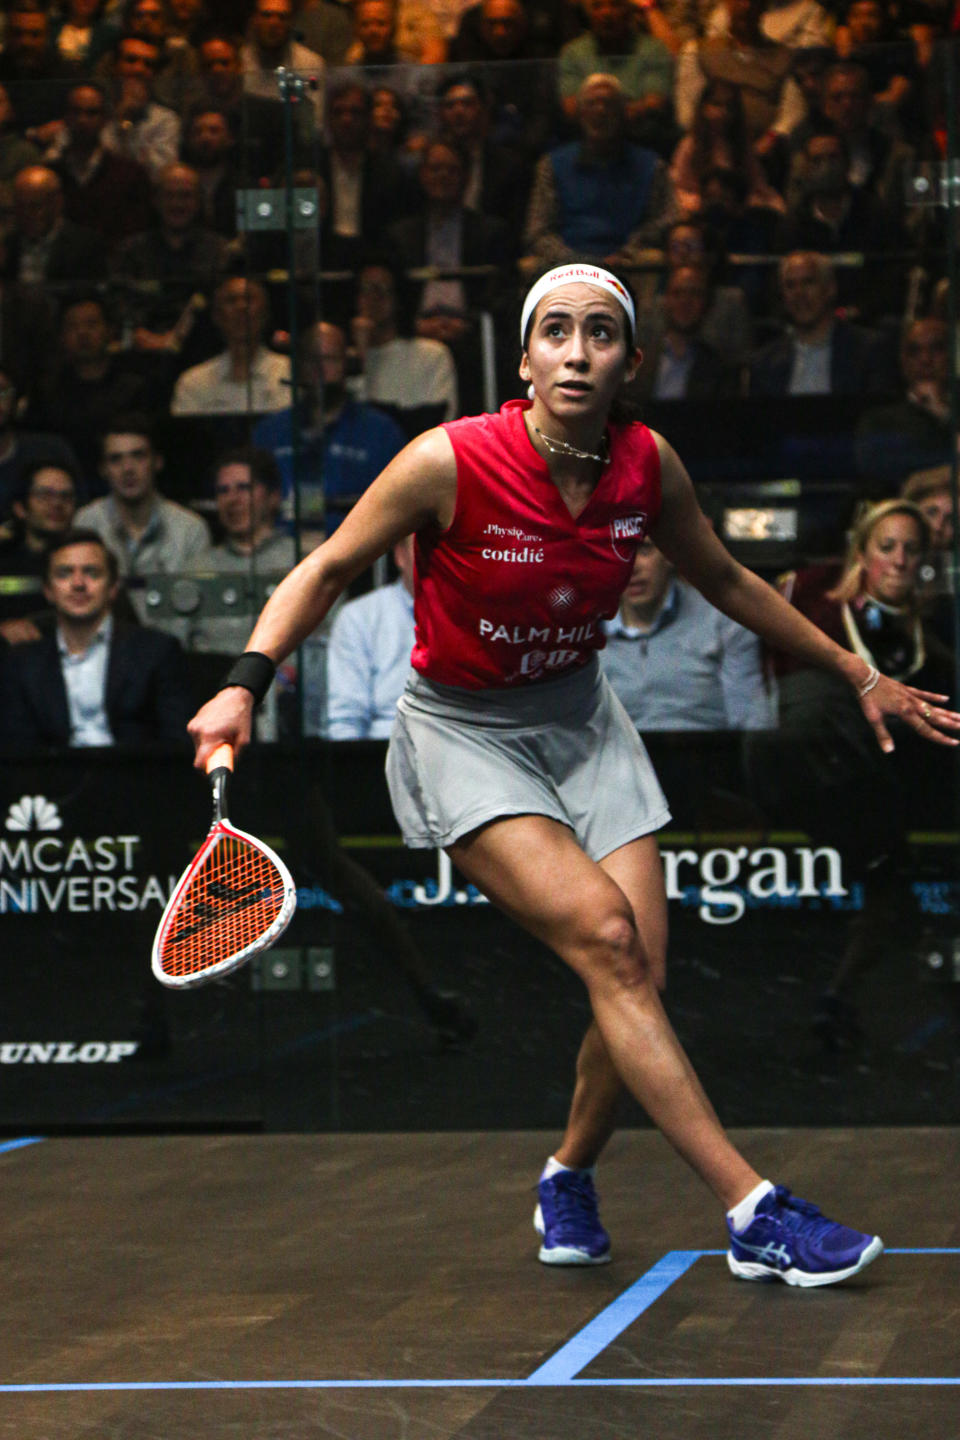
(564, 748)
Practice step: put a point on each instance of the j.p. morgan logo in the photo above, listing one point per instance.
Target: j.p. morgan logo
(43, 870)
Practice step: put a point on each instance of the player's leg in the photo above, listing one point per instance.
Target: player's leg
(567, 1215)
(566, 1193)
(534, 870)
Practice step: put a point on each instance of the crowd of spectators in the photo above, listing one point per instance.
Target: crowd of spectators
(750, 163)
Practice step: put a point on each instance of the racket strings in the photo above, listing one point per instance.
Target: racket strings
(233, 896)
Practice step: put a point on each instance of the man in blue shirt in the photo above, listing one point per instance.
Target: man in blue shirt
(675, 662)
(368, 659)
(344, 444)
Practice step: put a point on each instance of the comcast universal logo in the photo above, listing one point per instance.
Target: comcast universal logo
(33, 812)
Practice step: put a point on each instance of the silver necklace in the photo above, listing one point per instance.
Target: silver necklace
(562, 447)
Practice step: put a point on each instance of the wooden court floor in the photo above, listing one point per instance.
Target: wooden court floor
(274, 1287)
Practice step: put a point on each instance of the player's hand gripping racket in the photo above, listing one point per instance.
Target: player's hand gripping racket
(235, 898)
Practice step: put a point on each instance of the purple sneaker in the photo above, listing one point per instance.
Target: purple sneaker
(569, 1221)
(789, 1239)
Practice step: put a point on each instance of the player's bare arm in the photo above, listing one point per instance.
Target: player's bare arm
(418, 488)
(687, 539)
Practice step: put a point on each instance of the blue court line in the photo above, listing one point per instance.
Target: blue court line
(6, 1145)
(587, 1344)
(657, 1383)
(559, 1371)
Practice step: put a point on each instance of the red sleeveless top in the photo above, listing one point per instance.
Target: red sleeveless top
(516, 588)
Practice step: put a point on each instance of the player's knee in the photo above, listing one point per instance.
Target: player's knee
(615, 955)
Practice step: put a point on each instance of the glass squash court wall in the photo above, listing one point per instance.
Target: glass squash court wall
(770, 895)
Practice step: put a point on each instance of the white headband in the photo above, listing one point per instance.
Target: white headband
(568, 274)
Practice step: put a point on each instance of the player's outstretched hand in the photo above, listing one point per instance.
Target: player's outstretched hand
(921, 709)
(226, 719)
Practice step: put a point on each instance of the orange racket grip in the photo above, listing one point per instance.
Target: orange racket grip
(221, 759)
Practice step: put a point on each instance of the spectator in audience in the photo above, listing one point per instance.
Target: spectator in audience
(618, 42)
(447, 235)
(44, 248)
(821, 353)
(16, 153)
(800, 24)
(27, 325)
(344, 443)
(246, 378)
(934, 492)
(497, 30)
(41, 511)
(247, 489)
(391, 133)
(675, 662)
(868, 37)
(368, 657)
(31, 70)
(825, 769)
(833, 217)
(760, 69)
(326, 28)
(498, 179)
(878, 161)
(413, 378)
(718, 139)
(168, 273)
(743, 230)
(176, 84)
(494, 31)
(678, 364)
(256, 120)
(81, 33)
(209, 148)
(503, 37)
(727, 325)
(140, 127)
(391, 32)
(601, 194)
(147, 532)
(22, 448)
(272, 45)
(365, 191)
(87, 381)
(915, 431)
(92, 681)
(185, 19)
(102, 190)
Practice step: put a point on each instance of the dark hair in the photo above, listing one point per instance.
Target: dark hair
(78, 535)
(464, 77)
(349, 86)
(714, 250)
(736, 133)
(85, 297)
(403, 290)
(264, 469)
(596, 264)
(29, 472)
(133, 422)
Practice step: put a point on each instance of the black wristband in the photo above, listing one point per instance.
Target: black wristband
(253, 671)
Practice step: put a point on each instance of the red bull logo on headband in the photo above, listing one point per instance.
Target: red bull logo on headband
(563, 275)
